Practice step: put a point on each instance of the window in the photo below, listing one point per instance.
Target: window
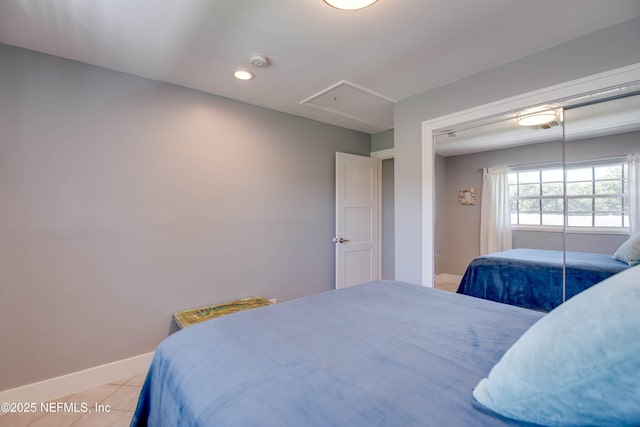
(596, 196)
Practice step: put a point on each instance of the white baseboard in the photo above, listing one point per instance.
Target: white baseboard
(448, 278)
(44, 391)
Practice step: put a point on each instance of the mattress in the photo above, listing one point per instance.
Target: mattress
(533, 278)
(378, 354)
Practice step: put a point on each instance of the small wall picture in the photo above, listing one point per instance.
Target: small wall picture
(467, 196)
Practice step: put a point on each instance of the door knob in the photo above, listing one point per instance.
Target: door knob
(340, 240)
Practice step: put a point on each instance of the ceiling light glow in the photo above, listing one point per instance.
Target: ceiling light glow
(243, 75)
(536, 119)
(350, 4)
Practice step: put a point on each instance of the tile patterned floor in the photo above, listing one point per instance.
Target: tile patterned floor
(120, 397)
(448, 286)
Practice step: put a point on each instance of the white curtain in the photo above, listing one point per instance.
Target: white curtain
(495, 216)
(633, 161)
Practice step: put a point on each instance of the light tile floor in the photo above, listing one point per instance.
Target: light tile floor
(448, 286)
(120, 397)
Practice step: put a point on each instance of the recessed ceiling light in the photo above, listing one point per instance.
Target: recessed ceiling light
(350, 4)
(243, 75)
(536, 119)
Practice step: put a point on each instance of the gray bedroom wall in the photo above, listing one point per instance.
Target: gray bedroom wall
(440, 233)
(462, 222)
(382, 140)
(388, 206)
(603, 50)
(125, 199)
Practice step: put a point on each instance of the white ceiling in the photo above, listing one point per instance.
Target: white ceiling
(393, 49)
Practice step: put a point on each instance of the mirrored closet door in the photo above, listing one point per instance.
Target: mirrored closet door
(602, 139)
(499, 217)
(531, 205)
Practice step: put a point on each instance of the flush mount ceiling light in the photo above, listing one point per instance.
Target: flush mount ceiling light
(243, 75)
(350, 4)
(536, 119)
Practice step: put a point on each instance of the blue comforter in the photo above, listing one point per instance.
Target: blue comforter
(533, 278)
(378, 354)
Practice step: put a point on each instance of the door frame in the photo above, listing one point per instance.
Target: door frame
(381, 155)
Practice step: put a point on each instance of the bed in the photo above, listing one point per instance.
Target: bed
(532, 278)
(377, 354)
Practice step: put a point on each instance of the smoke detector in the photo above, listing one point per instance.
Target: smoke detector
(258, 60)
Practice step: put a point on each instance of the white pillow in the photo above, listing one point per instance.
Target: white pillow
(629, 251)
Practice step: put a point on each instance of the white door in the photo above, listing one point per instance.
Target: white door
(356, 219)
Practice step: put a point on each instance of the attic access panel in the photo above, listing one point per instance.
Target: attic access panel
(355, 102)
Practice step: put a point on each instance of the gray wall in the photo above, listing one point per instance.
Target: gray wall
(382, 140)
(603, 50)
(125, 199)
(388, 206)
(440, 215)
(462, 222)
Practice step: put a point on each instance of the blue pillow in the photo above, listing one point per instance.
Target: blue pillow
(577, 366)
(629, 251)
